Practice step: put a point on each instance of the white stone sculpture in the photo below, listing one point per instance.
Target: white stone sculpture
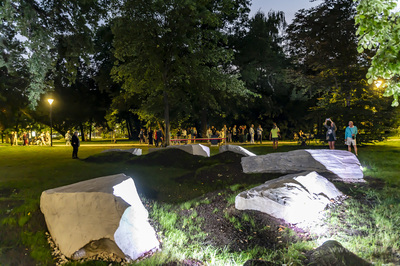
(343, 164)
(99, 215)
(295, 198)
(235, 149)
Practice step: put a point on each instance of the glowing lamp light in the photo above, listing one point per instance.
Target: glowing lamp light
(378, 83)
(50, 101)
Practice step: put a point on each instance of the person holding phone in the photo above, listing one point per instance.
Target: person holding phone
(330, 133)
(350, 136)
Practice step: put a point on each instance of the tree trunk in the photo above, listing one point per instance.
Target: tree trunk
(203, 123)
(82, 133)
(130, 132)
(166, 118)
(90, 130)
(128, 128)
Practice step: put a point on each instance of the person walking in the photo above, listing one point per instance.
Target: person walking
(330, 133)
(350, 136)
(274, 136)
(75, 145)
(259, 134)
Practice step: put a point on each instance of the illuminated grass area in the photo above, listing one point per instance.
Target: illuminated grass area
(367, 223)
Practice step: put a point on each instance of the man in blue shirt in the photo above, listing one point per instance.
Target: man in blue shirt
(350, 136)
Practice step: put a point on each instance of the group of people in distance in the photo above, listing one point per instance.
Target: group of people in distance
(27, 138)
(231, 134)
(350, 135)
(151, 137)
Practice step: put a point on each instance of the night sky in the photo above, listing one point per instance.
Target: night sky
(290, 7)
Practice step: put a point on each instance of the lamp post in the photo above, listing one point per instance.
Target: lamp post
(51, 122)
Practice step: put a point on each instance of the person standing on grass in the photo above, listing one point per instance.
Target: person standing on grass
(259, 134)
(12, 138)
(75, 145)
(251, 131)
(159, 137)
(274, 136)
(330, 133)
(48, 140)
(68, 138)
(16, 138)
(150, 136)
(350, 136)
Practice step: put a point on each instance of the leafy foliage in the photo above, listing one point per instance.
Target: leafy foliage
(41, 24)
(378, 30)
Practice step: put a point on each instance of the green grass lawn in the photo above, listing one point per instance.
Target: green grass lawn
(27, 171)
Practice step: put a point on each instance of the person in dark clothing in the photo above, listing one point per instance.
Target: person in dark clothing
(75, 145)
(160, 137)
(150, 136)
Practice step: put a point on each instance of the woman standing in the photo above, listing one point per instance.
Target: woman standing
(330, 133)
(274, 136)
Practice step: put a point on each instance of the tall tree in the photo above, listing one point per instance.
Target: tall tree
(39, 23)
(378, 30)
(262, 63)
(323, 44)
(159, 44)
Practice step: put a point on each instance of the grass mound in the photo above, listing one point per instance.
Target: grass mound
(110, 157)
(177, 158)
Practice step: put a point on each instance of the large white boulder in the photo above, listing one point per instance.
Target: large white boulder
(99, 215)
(235, 149)
(296, 198)
(343, 164)
(134, 151)
(194, 149)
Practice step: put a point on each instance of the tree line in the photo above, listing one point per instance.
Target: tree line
(185, 62)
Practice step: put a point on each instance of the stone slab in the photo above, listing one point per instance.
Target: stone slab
(194, 149)
(235, 149)
(134, 151)
(99, 215)
(295, 197)
(343, 164)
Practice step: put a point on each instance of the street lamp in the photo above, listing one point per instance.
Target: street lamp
(51, 122)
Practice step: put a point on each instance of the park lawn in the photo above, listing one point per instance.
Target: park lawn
(27, 171)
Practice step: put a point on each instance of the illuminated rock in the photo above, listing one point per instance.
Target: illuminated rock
(295, 198)
(99, 215)
(235, 149)
(134, 151)
(343, 164)
(194, 149)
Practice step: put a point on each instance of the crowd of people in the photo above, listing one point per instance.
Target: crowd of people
(28, 138)
(234, 134)
(238, 134)
(243, 134)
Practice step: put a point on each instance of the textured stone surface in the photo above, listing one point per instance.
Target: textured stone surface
(194, 149)
(343, 164)
(99, 215)
(236, 149)
(134, 151)
(333, 253)
(295, 198)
